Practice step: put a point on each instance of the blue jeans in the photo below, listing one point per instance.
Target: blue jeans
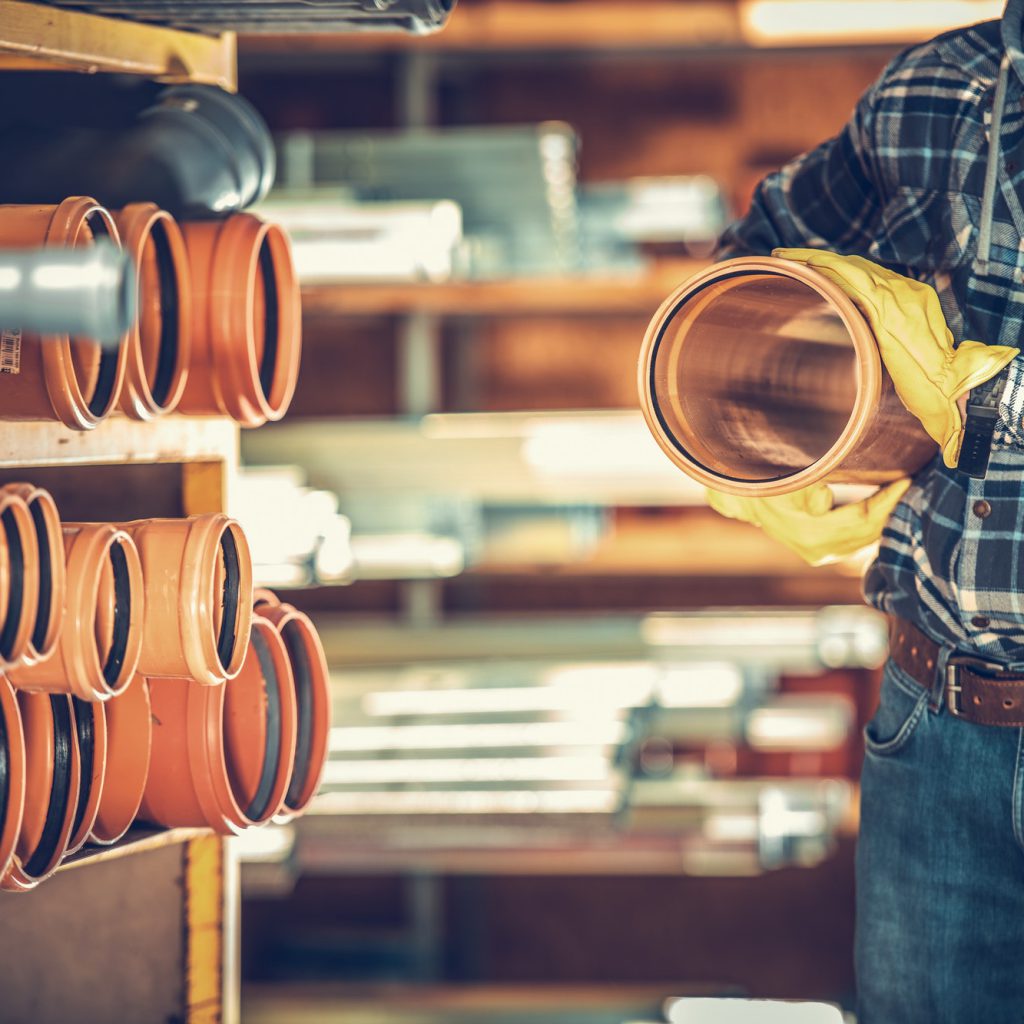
(940, 865)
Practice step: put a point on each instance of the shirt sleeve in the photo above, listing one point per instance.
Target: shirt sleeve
(829, 198)
(1011, 405)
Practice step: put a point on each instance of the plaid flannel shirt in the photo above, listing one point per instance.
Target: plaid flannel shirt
(902, 185)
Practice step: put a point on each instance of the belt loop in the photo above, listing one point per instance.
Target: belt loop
(937, 693)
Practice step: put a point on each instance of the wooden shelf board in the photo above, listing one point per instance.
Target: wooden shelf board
(38, 37)
(138, 840)
(554, 296)
(119, 440)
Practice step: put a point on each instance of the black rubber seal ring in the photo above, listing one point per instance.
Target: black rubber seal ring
(5, 770)
(232, 575)
(45, 575)
(122, 614)
(85, 732)
(260, 803)
(104, 391)
(16, 590)
(170, 310)
(302, 671)
(60, 790)
(272, 320)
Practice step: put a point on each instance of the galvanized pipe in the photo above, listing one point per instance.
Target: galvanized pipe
(87, 292)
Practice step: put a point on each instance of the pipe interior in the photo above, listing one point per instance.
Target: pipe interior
(298, 654)
(754, 377)
(95, 367)
(44, 607)
(225, 598)
(16, 584)
(254, 799)
(85, 725)
(60, 789)
(266, 313)
(112, 624)
(159, 321)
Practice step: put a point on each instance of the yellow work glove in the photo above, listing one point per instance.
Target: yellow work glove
(807, 523)
(913, 340)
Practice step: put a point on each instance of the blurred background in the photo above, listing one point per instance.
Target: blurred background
(593, 747)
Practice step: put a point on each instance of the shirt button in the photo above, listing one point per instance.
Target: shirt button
(982, 509)
(981, 621)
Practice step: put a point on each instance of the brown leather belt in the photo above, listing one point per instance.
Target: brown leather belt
(976, 689)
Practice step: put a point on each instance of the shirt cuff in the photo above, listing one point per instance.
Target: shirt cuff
(1011, 405)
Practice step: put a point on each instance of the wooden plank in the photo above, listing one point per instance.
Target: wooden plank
(139, 840)
(205, 940)
(38, 36)
(117, 440)
(584, 296)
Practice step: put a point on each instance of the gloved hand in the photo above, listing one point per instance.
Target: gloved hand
(913, 340)
(807, 523)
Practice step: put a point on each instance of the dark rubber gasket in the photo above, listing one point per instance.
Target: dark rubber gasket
(16, 590)
(229, 621)
(272, 325)
(5, 772)
(259, 806)
(302, 671)
(170, 315)
(122, 614)
(109, 357)
(60, 790)
(43, 608)
(85, 732)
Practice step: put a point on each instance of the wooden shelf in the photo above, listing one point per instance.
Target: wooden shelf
(38, 37)
(551, 296)
(667, 26)
(138, 840)
(118, 440)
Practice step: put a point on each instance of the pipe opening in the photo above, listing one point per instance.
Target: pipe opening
(237, 755)
(158, 334)
(268, 318)
(16, 586)
(44, 606)
(86, 738)
(121, 618)
(95, 367)
(228, 598)
(294, 642)
(754, 376)
(60, 789)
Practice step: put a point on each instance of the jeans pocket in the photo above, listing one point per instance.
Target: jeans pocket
(901, 706)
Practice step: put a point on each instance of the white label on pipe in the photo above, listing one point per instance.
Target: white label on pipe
(10, 351)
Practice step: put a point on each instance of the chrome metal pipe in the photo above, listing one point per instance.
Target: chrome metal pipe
(88, 292)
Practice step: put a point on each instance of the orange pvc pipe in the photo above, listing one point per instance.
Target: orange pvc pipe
(129, 738)
(102, 633)
(91, 737)
(222, 755)
(52, 783)
(312, 695)
(19, 578)
(159, 343)
(12, 774)
(48, 553)
(198, 608)
(246, 338)
(759, 376)
(60, 378)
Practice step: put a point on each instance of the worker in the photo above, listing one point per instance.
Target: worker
(916, 210)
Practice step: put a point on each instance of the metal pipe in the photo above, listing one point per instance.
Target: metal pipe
(759, 377)
(87, 292)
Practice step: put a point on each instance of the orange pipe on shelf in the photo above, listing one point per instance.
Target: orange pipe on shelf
(72, 380)
(198, 608)
(52, 783)
(19, 578)
(12, 774)
(48, 553)
(246, 338)
(312, 694)
(222, 755)
(129, 738)
(159, 342)
(91, 738)
(102, 633)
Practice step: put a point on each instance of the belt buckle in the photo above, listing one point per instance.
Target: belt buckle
(953, 688)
